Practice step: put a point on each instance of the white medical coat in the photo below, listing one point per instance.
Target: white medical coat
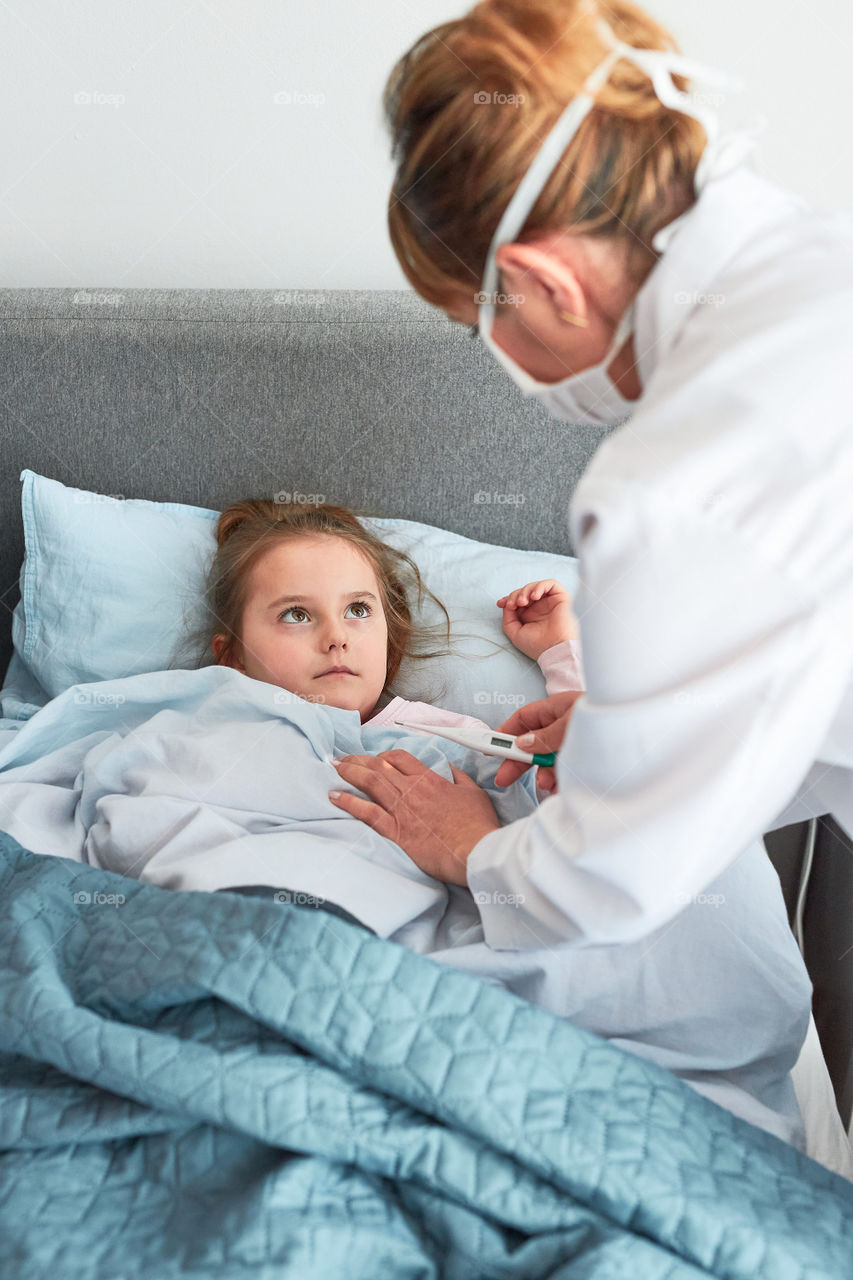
(714, 532)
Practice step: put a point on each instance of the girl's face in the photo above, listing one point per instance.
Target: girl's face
(314, 605)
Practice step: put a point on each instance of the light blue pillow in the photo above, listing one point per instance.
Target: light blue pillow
(111, 587)
(487, 676)
(106, 582)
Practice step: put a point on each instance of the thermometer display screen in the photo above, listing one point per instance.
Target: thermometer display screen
(500, 742)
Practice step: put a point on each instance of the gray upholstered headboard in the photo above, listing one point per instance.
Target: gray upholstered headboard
(372, 399)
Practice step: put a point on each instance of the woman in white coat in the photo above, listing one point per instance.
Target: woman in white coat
(627, 266)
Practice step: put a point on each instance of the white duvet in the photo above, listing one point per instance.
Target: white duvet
(207, 780)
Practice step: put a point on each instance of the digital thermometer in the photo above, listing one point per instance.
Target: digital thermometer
(487, 741)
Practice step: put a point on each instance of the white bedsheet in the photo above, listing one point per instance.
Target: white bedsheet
(208, 779)
(826, 1140)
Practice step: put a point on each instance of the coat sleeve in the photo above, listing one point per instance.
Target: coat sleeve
(715, 541)
(712, 679)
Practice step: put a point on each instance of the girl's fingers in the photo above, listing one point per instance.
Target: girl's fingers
(522, 596)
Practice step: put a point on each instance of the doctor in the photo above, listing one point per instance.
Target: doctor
(627, 266)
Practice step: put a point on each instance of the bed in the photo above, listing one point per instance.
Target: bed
(355, 1127)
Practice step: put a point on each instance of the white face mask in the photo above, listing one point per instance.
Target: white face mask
(590, 397)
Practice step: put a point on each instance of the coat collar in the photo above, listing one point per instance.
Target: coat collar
(731, 210)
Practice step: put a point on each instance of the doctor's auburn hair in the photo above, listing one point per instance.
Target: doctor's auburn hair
(470, 104)
(246, 530)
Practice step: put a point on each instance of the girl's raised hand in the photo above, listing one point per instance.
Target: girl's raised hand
(537, 616)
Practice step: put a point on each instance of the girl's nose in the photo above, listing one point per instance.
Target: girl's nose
(334, 638)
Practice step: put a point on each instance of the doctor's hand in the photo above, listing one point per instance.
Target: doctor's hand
(548, 719)
(436, 822)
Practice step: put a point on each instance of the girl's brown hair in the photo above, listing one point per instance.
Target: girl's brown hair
(468, 108)
(247, 530)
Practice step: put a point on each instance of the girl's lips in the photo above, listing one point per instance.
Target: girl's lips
(323, 674)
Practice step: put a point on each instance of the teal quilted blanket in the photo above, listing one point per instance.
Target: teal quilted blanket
(218, 1085)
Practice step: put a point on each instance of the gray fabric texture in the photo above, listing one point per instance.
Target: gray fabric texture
(372, 399)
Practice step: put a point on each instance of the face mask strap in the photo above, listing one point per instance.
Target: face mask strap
(659, 65)
(526, 194)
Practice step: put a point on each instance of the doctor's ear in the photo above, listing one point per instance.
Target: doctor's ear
(544, 276)
(511, 268)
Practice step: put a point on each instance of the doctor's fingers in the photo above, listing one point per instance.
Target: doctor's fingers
(544, 741)
(387, 782)
(510, 770)
(400, 806)
(537, 716)
(546, 780)
(366, 811)
(400, 759)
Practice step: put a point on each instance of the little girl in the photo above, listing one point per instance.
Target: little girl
(306, 598)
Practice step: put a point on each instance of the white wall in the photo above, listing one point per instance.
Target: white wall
(793, 57)
(181, 168)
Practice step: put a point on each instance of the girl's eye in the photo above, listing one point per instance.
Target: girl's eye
(298, 614)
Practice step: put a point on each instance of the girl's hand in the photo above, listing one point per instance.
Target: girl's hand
(538, 616)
